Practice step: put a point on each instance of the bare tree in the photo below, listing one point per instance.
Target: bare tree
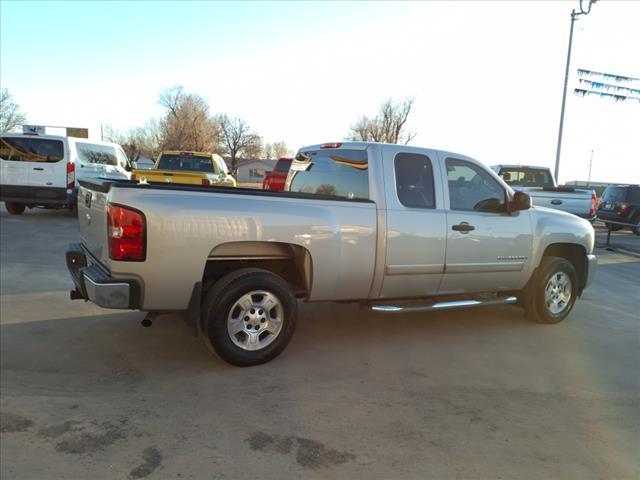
(280, 150)
(275, 150)
(137, 142)
(387, 126)
(267, 151)
(237, 139)
(10, 114)
(186, 124)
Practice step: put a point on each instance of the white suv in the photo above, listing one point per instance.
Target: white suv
(43, 170)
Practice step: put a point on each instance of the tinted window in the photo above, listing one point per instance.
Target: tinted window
(283, 166)
(528, 177)
(615, 194)
(634, 195)
(334, 172)
(190, 163)
(472, 188)
(414, 180)
(102, 154)
(30, 149)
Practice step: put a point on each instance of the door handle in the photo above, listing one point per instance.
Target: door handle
(463, 227)
(39, 169)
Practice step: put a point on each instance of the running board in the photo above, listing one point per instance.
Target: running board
(442, 305)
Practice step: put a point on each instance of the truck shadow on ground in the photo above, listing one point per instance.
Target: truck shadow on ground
(116, 348)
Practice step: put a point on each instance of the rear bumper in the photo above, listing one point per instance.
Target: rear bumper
(592, 261)
(93, 282)
(614, 218)
(38, 195)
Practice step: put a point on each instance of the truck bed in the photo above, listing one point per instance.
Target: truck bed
(186, 225)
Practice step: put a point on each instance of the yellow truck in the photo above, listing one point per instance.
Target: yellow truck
(187, 168)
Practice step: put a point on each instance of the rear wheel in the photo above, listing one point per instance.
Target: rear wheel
(249, 316)
(614, 228)
(636, 229)
(15, 208)
(554, 291)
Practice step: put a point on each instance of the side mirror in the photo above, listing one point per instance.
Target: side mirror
(127, 167)
(520, 201)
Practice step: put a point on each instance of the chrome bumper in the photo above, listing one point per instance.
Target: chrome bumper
(94, 283)
(592, 261)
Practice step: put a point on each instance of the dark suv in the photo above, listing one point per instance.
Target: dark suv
(621, 204)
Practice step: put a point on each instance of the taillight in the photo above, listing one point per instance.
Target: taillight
(592, 212)
(624, 208)
(126, 232)
(133, 177)
(206, 181)
(331, 145)
(71, 175)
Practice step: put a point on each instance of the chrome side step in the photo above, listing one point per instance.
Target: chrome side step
(442, 305)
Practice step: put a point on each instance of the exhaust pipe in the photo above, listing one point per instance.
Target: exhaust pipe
(147, 321)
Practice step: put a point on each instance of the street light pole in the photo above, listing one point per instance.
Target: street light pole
(574, 14)
(590, 165)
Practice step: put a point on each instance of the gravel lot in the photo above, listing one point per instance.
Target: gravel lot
(484, 394)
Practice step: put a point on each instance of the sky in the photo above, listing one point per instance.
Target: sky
(486, 76)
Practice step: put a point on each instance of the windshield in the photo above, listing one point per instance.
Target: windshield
(527, 177)
(189, 163)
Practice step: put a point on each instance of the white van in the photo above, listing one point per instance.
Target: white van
(43, 170)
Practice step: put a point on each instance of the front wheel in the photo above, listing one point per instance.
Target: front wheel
(15, 208)
(249, 316)
(554, 291)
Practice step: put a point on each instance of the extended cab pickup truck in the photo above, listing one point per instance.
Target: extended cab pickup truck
(540, 185)
(394, 228)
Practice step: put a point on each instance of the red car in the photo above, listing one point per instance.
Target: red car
(276, 179)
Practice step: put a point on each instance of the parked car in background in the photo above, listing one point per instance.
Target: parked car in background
(392, 227)
(620, 207)
(188, 168)
(540, 185)
(43, 170)
(276, 179)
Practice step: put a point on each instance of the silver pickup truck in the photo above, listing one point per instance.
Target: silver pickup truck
(394, 228)
(540, 184)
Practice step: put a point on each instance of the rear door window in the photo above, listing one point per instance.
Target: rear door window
(31, 149)
(340, 173)
(414, 180)
(634, 195)
(100, 154)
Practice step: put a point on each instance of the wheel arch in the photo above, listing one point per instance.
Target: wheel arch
(291, 262)
(575, 254)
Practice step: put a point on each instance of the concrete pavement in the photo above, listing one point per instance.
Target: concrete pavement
(484, 394)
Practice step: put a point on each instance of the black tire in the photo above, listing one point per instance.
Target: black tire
(636, 229)
(538, 310)
(614, 228)
(221, 299)
(15, 208)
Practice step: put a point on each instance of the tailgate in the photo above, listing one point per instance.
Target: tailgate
(170, 176)
(92, 217)
(578, 203)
